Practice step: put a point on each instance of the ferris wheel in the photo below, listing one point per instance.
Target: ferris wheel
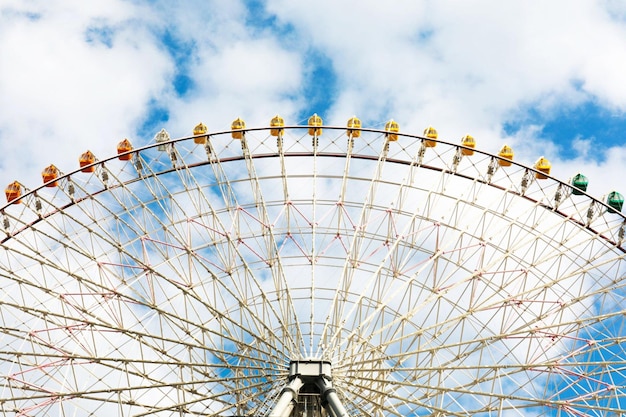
(311, 271)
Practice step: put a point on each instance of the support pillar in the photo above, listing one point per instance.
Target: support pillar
(315, 376)
(330, 396)
(287, 400)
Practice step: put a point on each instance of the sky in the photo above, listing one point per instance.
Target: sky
(544, 77)
(547, 78)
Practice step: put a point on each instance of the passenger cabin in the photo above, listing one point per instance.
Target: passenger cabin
(315, 123)
(579, 184)
(86, 160)
(50, 175)
(161, 138)
(616, 201)
(200, 132)
(123, 147)
(13, 192)
(237, 127)
(543, 166)
(468, 141)
(354, 126)
(276, 125)
(430, 133)
(392, 127)
(506, 155)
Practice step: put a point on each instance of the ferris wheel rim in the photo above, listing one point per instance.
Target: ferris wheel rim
(531, 169)
(364, 380)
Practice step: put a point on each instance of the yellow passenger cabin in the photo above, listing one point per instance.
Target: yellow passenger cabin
(354, 126)
(315, 125)
(200, 132)
(430, 133)
(237, 127)
(506, 156)
(543, 166)
(468, 141)
(276, 125)
(392, 127)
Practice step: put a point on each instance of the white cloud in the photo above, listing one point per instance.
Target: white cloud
(476, 63)
(253, 79)
(463, 67)
(61, 94)
(76, 76)
(582, 146)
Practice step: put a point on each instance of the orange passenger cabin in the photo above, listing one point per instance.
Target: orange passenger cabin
(13, 192)
(86, 160)
(123, 147)
(50, 175)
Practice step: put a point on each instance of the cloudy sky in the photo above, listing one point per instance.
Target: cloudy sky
(544, 77)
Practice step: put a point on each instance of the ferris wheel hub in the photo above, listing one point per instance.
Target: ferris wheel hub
(309, 390)
(310, 369)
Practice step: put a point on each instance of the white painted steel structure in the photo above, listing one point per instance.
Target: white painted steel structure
(185, 282)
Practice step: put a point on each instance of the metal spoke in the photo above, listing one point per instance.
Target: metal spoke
(191, 278)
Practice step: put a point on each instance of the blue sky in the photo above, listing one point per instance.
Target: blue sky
(544, 77)
(86, 76)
